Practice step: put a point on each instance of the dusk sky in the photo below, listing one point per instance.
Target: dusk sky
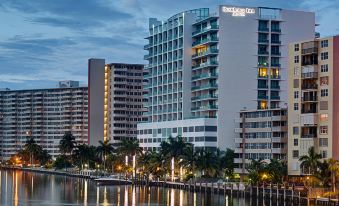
(44, 41)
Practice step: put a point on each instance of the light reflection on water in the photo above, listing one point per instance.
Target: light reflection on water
(27, 188)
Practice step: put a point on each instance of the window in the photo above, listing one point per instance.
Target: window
(324, 55)
(296, 71)
(323, 129)
(323, 117)
(324, 81)
(295, 154)
(324, 43)
(295, 142)
(210, 128)
(296, 59)
(296, 106)
(296, 94)
(295, 130)
(324, 68)
(296, 47)
(323, 154)
(323, 142)
(324, 92)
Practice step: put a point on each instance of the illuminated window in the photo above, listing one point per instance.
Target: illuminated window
(262, 72)
(323, 117)
(263, 105)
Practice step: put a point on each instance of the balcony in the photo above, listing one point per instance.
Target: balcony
(276, 30)
(205, 64)
(262, 86)
(309, 136)
(275, 97)
(262, 76)
(147, 56)
(312, 50)
(275, 87)
(263, 41)
(263, 64)
(275, 41)
(206, 53)
(203, 97)
(205, 41)
(275, 53)
(309, 75)
(309, 86)
(147, 46)
(308, 119)
(205, 76)
(275, 77)
(264, 97)
(206, 86)
(205, 30)
(275, 64)
(309, 98)
(263, 29)
(205, 107)
(263, 53)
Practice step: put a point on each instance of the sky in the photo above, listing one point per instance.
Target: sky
(44, 41)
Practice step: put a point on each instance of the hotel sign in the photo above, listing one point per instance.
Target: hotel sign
(237, 11)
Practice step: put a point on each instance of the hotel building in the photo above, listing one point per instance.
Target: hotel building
(262, 134)
(314, 100)
(204, 67)
(116, 100)
(44, 114)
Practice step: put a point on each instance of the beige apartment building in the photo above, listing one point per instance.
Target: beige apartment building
(313, 79)
(261, 135)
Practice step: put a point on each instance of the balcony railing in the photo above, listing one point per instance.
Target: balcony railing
(312, 50)
(201, 97)
(206, 40)
(206, 86)
(275, 64)
(262, 86)
(204, 75)
(212, 27)
(263, 53)
(275, 30)
(210, 51)
(262, 97)
(275, 77)
(275, 41)
(275, 97)
(310, 98)
(275, 87)
(309, 86)
(265, 41)
(309, 75)
(265, 29)
(205, 64)
(308, 135)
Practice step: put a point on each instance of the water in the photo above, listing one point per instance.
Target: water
(28, 188)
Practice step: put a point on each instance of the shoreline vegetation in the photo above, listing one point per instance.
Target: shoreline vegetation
(176, 161)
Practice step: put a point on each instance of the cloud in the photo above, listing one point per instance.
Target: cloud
(73, 14)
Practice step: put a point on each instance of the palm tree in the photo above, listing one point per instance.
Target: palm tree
(323, 173)
(84, 153)
(44, 157)
(67, 143)
(207, 163)
(189, 159)
(257, 170)
(227, 162)
(173, 149)
(32, 147)
(310, 161)
(130, 147)
(334, 168)
(277, 170)
(104, 149)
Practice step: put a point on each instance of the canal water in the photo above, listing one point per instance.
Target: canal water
(29, 188)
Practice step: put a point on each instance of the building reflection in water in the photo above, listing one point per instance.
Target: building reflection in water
(25, 188)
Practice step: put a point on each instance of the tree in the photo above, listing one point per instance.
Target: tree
(256, 171)
(103, 150)
(173, 149)
(67, 143)
(334, 168)
(44, 157)
(277, 170)
(189, 159)
(32, 148)
(62, 161)
(207, 163)
(130, 147)
(323, 173)
(227, 162)
(84, 154)
(310, 161)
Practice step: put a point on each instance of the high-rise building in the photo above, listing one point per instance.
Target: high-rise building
(116, 100)
(262, 135)
(44, 114)
(205, 67)
(314, 100)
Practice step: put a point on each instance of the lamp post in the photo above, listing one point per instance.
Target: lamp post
(172, 168)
